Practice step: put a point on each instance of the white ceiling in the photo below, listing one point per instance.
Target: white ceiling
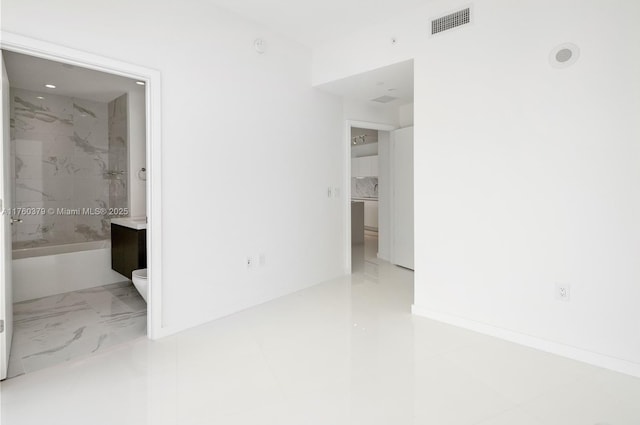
(394, 80)
(30, 73)
(313, 22)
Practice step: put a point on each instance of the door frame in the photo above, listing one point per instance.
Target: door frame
(6, 298)
(347, 180)
(152, 79)
(393, 148)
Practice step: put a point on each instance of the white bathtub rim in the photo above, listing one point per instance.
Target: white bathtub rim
(41, 251)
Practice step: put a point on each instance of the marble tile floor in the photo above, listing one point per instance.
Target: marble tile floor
(344, 352)
(58, 328)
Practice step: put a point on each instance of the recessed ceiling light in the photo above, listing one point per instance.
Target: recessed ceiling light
(39, 97)
(392, 89)
(140, 83)
(50, 86)
(380, 83)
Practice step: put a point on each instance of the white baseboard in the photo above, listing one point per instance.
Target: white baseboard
(575, 353)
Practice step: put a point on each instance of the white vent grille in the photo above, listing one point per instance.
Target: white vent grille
(450, 21)
(384, 99)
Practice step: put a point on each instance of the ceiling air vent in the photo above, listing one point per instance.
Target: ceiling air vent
(384, 99)
(450, 21)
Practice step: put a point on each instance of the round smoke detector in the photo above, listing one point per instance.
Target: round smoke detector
(564, 55)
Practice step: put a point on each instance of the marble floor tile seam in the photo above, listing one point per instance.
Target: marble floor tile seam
(50, 302)
(77, 293)
(84, 303)
(107, 287)
(61, 297)
(108, 319)
(52, 309)
(27, 322)
(115, 306)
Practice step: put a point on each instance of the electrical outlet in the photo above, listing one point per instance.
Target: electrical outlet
(249, 262)
(563, 292)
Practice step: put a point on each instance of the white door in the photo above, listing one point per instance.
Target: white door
(402, 192)
(6, 295)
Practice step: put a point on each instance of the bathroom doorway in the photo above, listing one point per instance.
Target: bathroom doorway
(60, 211)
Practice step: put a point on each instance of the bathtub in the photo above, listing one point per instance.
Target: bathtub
(50, 270)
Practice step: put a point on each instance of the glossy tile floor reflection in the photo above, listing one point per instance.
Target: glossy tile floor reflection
(343, 352)
(55, 329)
(364, 257)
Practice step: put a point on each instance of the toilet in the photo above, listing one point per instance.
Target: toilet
(139, 278)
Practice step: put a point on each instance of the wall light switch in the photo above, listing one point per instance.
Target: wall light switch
(329, 192)
(260, 45)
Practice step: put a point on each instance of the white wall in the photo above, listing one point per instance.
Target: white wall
(226, 193)
(526, 176)
(137, 153)
(405, 115)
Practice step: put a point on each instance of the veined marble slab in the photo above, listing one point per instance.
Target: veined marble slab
(61, 154)
(55, 329)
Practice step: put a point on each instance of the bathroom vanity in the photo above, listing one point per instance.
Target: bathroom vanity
(128, 245)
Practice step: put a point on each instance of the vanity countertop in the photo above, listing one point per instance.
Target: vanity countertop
(136, 223)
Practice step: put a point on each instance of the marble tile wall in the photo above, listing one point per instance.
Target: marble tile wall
(364, 187)
(118, 150)
(61, 156)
